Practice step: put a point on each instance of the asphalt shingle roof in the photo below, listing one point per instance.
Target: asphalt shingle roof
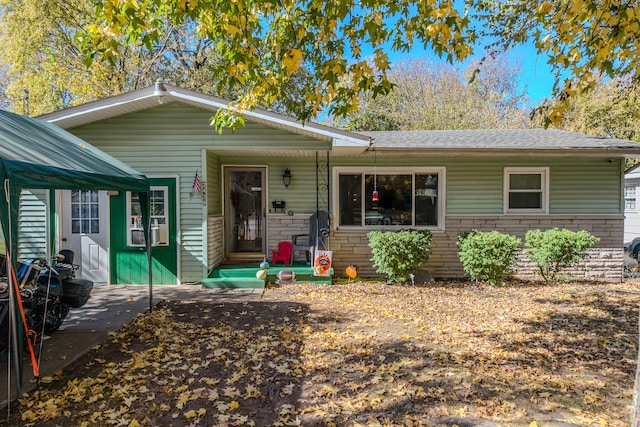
(515, 139)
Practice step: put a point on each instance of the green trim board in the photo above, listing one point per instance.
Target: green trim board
(233, 283)
(128, 263)
(244, 275)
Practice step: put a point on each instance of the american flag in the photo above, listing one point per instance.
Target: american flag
(196, 184)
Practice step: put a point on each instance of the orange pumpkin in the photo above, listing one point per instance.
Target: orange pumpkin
(352, 272)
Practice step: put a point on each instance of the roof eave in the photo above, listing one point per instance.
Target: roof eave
(99, 109)
(147, 98)
(623, 152)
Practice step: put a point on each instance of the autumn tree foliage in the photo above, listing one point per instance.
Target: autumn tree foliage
(434, 95)
(611, 110)
(584, 40)
(44, 69)
(345, 48)
(262, 44)
(255, 49)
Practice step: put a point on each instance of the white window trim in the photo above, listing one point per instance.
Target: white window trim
(370, 170)
(165, 190)
(634, 198)
(544, 172)
(81, 218)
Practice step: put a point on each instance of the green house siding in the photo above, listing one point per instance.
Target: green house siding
(163, 142)
(259, 137)
(32, 224)
(300, 196)
(214, 184)
(586, 186)
(475, 185)
(176, 140)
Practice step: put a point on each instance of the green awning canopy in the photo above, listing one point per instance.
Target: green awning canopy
(38, 154)
(35, 154)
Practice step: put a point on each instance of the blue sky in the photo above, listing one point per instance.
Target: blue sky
(536, 73)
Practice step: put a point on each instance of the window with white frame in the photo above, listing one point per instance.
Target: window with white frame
(390, 197)
(158, 198)
(526, 190)
(630, 197)
(85, 212)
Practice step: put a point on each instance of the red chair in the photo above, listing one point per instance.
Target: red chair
(283, 253)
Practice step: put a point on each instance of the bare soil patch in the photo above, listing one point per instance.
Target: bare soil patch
(361, 354)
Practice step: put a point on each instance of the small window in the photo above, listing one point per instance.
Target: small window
(526, 190)
(630, 197)
(85, 212)
(158, 197)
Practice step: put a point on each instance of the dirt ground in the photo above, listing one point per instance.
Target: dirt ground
(362, 354)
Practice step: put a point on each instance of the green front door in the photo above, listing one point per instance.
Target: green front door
(128, 256)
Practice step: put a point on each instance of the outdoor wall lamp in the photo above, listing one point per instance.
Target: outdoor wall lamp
(286, 177)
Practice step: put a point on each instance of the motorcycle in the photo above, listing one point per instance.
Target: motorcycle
(48, 291)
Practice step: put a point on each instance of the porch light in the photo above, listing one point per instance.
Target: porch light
(286, 177)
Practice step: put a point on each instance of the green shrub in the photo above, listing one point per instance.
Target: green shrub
(554, 250)
(488, 256)
(399, 253)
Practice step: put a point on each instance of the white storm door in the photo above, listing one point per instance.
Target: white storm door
(85, 230)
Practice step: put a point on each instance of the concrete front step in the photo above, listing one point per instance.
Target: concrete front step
(233, 283)
(244, 276)
(248, 283)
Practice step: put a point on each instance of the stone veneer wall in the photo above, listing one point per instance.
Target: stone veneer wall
(280, 227)
(605, 261)
(283, 227)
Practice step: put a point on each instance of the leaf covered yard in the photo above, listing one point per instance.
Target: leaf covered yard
(361, 354)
